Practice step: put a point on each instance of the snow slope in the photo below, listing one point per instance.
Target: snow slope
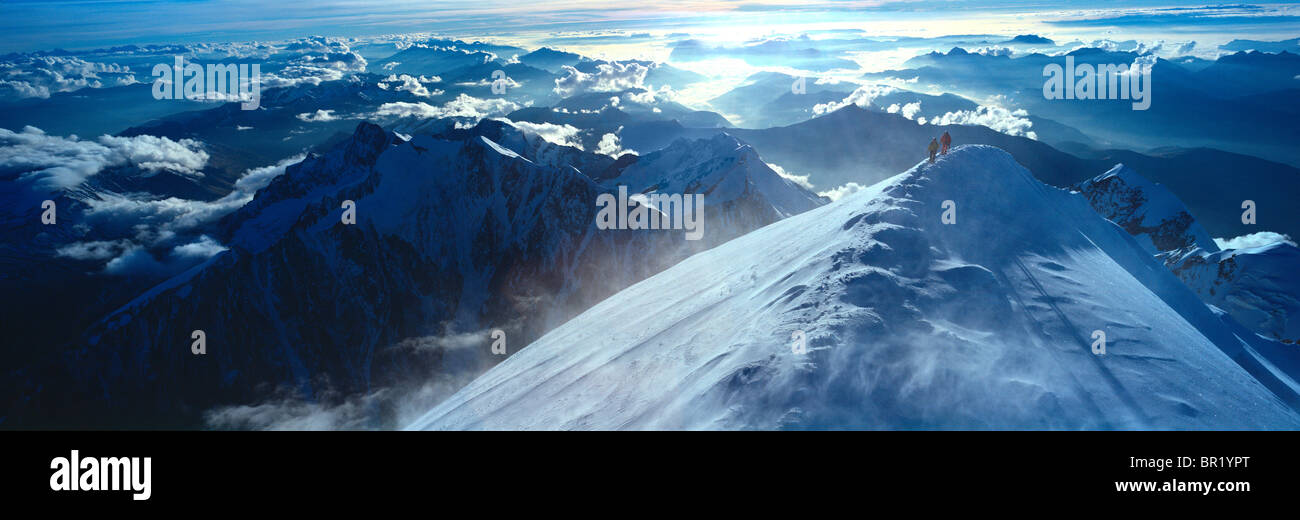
(481, 229)
(909, 322)
(741, 192)
(724, 169)
(1258, 286)
(1146, 210)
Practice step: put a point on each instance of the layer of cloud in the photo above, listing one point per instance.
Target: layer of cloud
(324, 52)
(53, 162)
(463, 107)
(95, 249)
(1262, 238)
(344, 61)
(40, 76)
(173, 215)
(138, 261)
(161, 237)
(129, 233)
(300, 75)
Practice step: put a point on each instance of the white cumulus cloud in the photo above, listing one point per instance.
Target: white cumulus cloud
(1262, 238)
(1010, 122)
(319, 116)
(611, 145)
(412, 84)
(566, 135)
(862, 96)
(464, 106)
(839, 192)
(608, 77)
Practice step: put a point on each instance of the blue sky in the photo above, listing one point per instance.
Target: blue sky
(82, 24)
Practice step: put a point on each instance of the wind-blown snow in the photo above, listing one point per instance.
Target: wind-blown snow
(910, 323)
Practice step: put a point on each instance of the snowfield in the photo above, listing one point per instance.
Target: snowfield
(910, 323)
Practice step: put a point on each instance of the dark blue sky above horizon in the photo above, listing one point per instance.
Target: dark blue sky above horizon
(84, 24)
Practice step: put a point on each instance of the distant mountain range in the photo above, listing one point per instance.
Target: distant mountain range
(863, 146)
(371, 231)
(1240, 103)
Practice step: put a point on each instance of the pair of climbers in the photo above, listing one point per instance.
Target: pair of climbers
(934, 145)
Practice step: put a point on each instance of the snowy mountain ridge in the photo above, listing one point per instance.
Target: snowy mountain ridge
(909, 322)
(1146, 210)
(451, 236)
(1257, 286)
(721, 167)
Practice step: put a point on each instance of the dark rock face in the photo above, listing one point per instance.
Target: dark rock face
(1166, 223)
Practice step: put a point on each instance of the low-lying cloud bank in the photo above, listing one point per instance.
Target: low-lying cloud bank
(53, 162)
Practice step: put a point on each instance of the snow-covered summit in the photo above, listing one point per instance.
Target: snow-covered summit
(1257, 286)
(457, 232)
(1146, 210)
(722, 168)
(963, 294)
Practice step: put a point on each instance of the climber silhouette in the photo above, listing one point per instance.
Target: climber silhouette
(946, 141)
(934, 147)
